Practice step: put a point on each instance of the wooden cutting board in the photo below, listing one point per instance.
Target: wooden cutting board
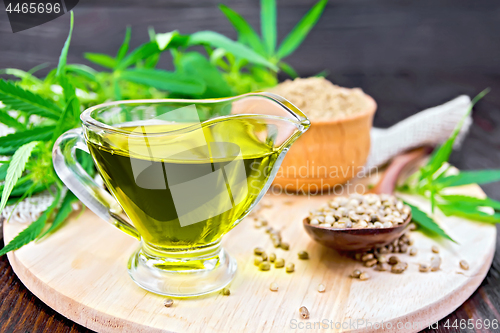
(80, 272)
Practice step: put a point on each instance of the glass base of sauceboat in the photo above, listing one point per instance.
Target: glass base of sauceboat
(182, 274)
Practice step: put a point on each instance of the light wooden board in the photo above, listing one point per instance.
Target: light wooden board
(81, 272)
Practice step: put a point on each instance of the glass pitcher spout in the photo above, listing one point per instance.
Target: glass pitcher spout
(269, 106)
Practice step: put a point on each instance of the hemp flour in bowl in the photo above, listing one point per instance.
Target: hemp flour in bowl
(320, 99)
(336, 146)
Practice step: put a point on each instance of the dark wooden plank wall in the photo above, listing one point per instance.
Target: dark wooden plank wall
(407, 54)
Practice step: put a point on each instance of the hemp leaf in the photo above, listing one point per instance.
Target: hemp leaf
(62, 214)
(266, 46)
(33, 230)
(17, 139)
(15, 170)
(427, 223)
(61, 66)
(433, 179)
(16, 98)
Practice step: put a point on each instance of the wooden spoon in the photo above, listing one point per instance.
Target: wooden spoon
(349, 239)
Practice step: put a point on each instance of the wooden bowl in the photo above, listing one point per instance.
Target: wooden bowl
(330, 153)
(349, 239)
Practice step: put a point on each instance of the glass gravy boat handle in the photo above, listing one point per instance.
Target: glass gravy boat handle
(82, 185)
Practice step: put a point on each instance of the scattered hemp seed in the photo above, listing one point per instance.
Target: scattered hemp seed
(435, 249)
(364, 276)
(464, 265)
(168, 302)
(370, 263)
(279, 263)
(321, 288)
(285, 246)
(258, 251)
(355, 274)
(257, 261)
(424, 268)
(226, 292)
(272, 257)
(383, 250)
(273, 286)
(366, 257)
(382, 267)
(303, 255)
(393, 260)
(290, 267)
(276, 241)
(399, 268)
(267, 204)
(379, 257)
(265, 266)
(304, 313)
(264, 256)
(435, 263)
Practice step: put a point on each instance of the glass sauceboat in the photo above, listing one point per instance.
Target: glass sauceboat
(178, 175)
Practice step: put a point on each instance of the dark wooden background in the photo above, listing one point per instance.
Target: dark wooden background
(407, 54)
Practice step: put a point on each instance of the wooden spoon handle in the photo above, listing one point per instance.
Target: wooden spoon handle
(388, 181)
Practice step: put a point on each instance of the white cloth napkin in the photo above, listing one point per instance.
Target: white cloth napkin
(429, 127)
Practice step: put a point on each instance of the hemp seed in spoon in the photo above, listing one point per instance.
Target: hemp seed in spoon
(361, 211)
